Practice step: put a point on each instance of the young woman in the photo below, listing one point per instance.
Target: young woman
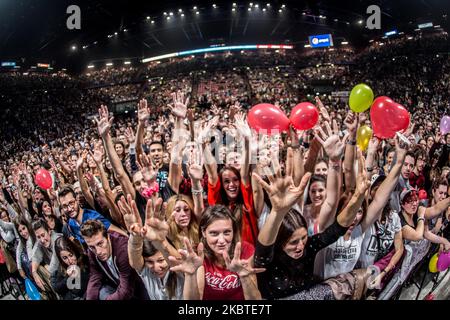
(417, 237)
(182, 221)
(25, 247)
(232, 187)
(284, 247)
(148, 250)
(71, 280)
(222, 269)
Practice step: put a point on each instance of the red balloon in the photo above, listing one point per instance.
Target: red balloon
(267, 119)
(388, 117)
(304, 116)
(44, 179)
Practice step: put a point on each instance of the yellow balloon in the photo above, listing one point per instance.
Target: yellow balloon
(363, 136)
(433, 263)
(361, 98)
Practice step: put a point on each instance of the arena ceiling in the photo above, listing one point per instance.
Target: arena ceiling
(35, 31)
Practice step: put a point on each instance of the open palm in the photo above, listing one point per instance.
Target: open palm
(190, 261)
(155, 229)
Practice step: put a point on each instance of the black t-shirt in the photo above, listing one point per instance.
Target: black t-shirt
(286, 276)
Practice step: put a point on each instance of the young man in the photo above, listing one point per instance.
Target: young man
(70, 206)
(403, 180)
(111, 276)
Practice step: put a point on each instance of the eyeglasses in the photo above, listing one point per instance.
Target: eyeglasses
(70, 204)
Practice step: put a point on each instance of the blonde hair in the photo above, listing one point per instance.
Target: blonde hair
(176, 234)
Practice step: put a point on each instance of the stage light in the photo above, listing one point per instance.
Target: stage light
(148, 18)
(268, 5)
(256, 5)
(251, 4)
(168, 18)
(95, 42)
(74, 48)
(153, 21)
(109, 64)
(234, 4)
(336, 20)
(197, 13)
(180, 10)
(214, 6)
(304, 13)
(171, 13)
(165, 13)
(125, 30)
(307, 46)
(280, 11)
(234, 9)
(182, 14)
(90, 66)
(195, 7)
(283, 6)
(249, 9)
(115, 33)
(410, 38)
(344, 42)
(348, 23)
(264, 9)
(360, 22)
(127, 62)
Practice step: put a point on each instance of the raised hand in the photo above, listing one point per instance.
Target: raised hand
(130, 214)
(323, 111)
(401, 148)
(235, 109)
(282, 192)
(190, 115)
(129, 135)
(206, 131)
(104, 122)
(242, 267)
(98, 153)
(81, 160)
(195, 166)
(373, 145)
(242, 126)
(190, 261)
(333, 145)
(215, 110)
(147, 168)
(362, 182)
(351, 122)
(179, 106)
(143, 111)
(155, 228)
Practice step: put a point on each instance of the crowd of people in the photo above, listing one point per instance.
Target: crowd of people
(181, 199)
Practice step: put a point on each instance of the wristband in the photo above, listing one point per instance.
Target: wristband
(369, 169)
(351, 142)
(421, 218)
(195, 192)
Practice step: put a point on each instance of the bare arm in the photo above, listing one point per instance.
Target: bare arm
(83, 184)
(258, 195)
(351, 121)
(437, 209)
(383, 193)
(135, 245)
(104, 125)
(143, 115)
(417, 233)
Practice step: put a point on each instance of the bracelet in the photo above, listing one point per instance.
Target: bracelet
(351, 142)
(195, 192)
(421, 218)
(369, 169)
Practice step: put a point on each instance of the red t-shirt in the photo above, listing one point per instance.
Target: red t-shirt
(222, 284)
(249, 230)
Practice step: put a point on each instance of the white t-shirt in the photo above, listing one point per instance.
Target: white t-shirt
(157, 289)
(386, 235)
(112, 267)
(339, 257)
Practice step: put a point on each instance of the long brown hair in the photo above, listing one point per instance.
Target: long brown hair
(176, 234)
(21, 221)
(211, 214)
(65, 244)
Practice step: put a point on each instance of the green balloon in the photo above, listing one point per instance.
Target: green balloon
(361, 98)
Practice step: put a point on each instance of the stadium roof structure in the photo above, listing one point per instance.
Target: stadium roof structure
(35, 31)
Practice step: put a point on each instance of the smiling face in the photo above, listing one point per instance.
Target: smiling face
(119, 149)
(157, 264)
(68, 258)
(43, 236)
(46, 208)
(295, 246)
(23, 231)
(420, 163)
(321, 168)
(219, 236)
(317, 193)
(69, 205)
(139, 183)
(181, 214)
(231, 184)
